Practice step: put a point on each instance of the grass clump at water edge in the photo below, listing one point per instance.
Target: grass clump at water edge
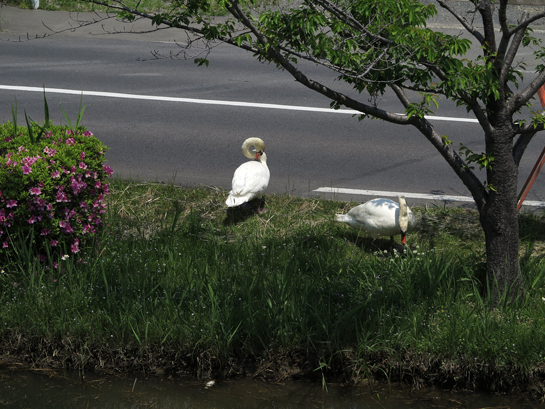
(177, 285)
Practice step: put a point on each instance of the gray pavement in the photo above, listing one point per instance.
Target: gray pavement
(21, 24)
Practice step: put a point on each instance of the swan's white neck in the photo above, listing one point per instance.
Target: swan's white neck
(403, 218)
(259, 153)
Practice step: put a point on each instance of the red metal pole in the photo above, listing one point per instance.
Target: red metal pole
(531, 179)
(540, 161)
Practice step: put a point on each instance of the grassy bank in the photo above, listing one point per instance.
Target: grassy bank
(177, 285)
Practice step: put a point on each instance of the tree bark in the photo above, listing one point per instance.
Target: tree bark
(499, 217)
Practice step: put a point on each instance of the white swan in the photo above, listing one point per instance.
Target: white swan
(251, 178)
(381, 217)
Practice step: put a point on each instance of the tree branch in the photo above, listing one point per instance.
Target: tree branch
(274, 54)
(519, 100)
(462, 21)
(520, 146)
(466, 175)
(502, 14)
(506, 59)
(524, 24)
(485, 9)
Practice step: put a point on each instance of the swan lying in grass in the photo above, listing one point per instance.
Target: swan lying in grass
(381, 217)
(251, 178)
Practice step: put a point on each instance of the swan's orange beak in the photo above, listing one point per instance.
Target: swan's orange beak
(403, 237)
(257, 155)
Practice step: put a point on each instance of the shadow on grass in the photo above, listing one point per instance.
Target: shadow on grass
(369, 245)
(239, 214)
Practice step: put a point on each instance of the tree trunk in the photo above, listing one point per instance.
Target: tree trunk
(499, 218)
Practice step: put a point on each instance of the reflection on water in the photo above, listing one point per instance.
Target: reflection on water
(50, 389)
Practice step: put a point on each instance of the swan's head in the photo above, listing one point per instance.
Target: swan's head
(258, 145)
(403, 218)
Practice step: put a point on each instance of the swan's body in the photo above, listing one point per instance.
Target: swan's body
(381, 217)
(251, 178)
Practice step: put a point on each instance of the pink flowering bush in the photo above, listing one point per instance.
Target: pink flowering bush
(52, 190)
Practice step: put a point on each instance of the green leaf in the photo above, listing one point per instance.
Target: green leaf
(80, 111)
(29, 127)
(14, 118)
(201, 61)
(67, 119)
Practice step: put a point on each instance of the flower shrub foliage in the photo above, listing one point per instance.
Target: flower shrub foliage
(52, 190)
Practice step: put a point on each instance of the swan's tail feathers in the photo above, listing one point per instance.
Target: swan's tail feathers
(235, 200)
(344, 218)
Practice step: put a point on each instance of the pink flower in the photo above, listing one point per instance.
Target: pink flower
(65, 227)
(49, 151)
(107, 169)
(56, 174)
(82, 165)
(32, 219)
(74, 247)
(26, 169)
(54, 243)
(29, 161)
(5, 245)
(35, 191)
(70, 141)
(61, 197)
(45, 232)
(82, 155)
(11, 203)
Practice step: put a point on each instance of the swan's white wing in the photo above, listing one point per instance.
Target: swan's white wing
(378, 217)
(250, 180)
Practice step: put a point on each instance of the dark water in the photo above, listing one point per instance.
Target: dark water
(51, 389)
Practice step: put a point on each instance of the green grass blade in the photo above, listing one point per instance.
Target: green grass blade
(67, 119)
(29, 126)
(14, 118)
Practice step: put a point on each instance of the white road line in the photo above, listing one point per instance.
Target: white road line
(208, 102)
(425, 196)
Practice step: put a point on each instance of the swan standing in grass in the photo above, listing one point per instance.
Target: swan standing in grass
(251, 178)
(381, 217)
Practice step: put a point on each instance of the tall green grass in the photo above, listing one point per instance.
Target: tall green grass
(174, 269)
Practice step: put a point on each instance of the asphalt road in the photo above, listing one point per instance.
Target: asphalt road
(197, 144)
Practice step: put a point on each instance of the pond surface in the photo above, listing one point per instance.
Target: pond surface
(52, 389)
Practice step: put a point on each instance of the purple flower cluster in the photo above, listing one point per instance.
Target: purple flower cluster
(55, 187)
